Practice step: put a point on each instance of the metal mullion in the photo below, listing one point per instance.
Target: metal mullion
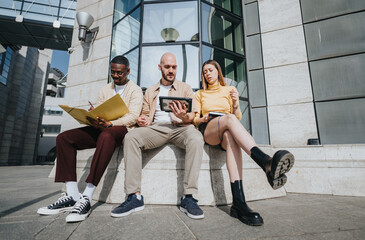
(170, 43)
(173, 1)
(21, 8)
(130, 50)
(200, 41)
(140, 45)
(224, 50)
(59, 9)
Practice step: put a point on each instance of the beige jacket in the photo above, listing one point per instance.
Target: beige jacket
(178, 89)
(132, 96)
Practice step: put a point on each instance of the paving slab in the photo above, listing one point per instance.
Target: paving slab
(23, 189)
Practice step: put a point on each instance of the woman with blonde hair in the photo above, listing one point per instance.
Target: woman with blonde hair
(228, 132)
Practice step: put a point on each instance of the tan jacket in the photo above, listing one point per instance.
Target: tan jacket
(178, 89)
(132, 96)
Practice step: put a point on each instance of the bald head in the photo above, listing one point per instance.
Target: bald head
(168, 57)
(168, 68)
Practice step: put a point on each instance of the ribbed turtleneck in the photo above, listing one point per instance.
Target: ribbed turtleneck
(215, 86)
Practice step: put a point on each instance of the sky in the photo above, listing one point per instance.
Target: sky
(60, 60)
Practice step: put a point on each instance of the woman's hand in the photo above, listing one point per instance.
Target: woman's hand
(235, 98)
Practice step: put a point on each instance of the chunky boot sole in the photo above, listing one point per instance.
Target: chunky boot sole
(247, 220)
(283, 161)
(277, 182)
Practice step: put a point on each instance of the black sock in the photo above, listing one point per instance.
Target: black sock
(259, 157)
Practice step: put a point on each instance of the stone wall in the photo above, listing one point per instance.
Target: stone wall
(89, 62)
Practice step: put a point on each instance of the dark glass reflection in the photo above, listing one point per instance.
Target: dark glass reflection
(123, 7)
(230, 5)
(170, 22)
(126, 34)
(187, 61)
(221, 30)
(233, 68)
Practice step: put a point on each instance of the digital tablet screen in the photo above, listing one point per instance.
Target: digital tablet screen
(165, 102)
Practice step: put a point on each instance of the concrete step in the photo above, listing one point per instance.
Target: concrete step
(163, 173)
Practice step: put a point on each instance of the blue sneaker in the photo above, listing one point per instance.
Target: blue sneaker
(191, 208)
(132, 204)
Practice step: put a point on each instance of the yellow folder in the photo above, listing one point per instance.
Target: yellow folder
(109, 110)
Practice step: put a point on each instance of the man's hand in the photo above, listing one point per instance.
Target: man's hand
(179, 110)
(99, 123)
(142, 122)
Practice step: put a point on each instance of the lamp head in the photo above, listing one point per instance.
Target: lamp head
(84, 20)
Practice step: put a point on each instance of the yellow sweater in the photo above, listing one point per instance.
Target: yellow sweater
(215, 99)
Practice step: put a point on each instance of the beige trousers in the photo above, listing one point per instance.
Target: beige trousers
(156, 135)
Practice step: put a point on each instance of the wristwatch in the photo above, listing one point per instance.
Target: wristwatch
(111, 125)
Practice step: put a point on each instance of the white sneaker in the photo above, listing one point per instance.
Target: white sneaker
(80, 211)
(64, 203)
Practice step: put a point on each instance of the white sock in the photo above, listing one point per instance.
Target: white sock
(72, 190)
(89, 190)
(138, 196)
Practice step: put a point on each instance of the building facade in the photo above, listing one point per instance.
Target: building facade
(52, 116)
(297, 65)
(22, 98)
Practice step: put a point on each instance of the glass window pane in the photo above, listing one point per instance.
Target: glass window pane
(69, 4)
(233, 68)
(314, 10)
(126, 34)
(67, 13)
(3, 80)
(337, 36)
(133, 64)
(123, 7)
(170, 22)
(221, 29)
(338, 78)
(187, 61)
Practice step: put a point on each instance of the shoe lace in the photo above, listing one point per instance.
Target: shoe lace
(62, 199)
(80, 205)
(126, 202)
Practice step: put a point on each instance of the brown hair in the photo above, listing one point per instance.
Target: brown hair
(220, 74)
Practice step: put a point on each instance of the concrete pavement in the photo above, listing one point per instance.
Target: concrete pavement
(23, 189)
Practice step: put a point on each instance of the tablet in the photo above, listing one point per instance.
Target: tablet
(165, 102)
(216, 114)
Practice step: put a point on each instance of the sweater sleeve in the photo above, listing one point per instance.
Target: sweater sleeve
(134, 105)
(197, 101)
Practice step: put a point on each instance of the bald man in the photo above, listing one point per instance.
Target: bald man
(156, 128)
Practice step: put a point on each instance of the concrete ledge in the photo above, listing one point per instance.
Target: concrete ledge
(163, 173)
(329, 169)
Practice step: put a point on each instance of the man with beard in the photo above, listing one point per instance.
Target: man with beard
(156, 128)
(103, 135)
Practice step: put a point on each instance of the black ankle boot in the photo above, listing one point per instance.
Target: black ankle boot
(275, 167)
(240, 209)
